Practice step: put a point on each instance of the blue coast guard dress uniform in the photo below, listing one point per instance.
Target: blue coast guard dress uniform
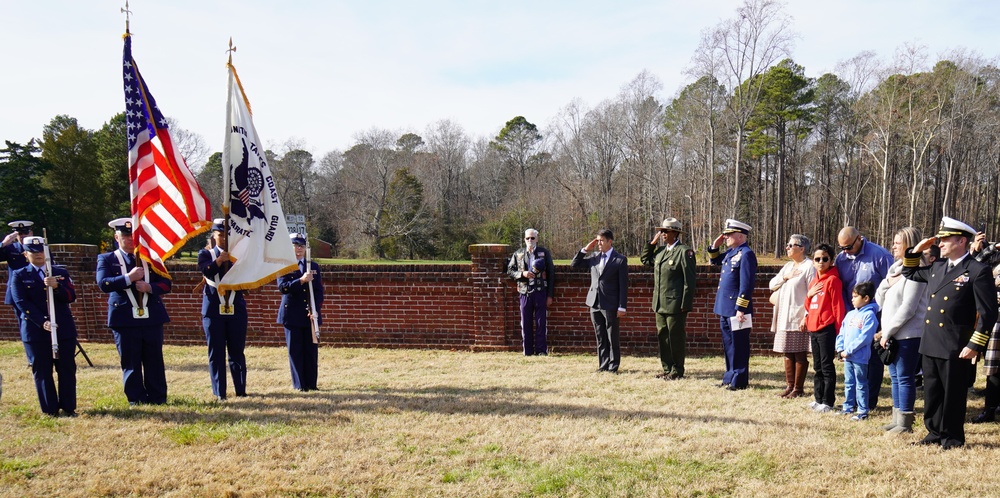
(30, 297)
(961, 312)
(136, 320)
(736, 282)
(224, 319)
(13, 254)
(293, 315)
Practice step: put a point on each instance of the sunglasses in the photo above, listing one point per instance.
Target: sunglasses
(822, 259)
(849, 246)
(789, 246)
(529, 238)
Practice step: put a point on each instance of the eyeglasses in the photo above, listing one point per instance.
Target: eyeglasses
(822, 259)
(789, 246)
(849, 246)
(529, 238)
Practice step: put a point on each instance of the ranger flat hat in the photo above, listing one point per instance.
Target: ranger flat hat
(297, 238)
(951, 226)
(733, 226)
(671, 224)
(33, 244)
(123, 225)
(219, 225)
(21, 226)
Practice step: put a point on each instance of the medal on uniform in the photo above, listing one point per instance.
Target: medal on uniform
(139, 313)
(225, 309)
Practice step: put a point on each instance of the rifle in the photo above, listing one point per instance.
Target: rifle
(51, 296)
(312, 296)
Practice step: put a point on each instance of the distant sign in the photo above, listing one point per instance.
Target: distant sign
(296, 223)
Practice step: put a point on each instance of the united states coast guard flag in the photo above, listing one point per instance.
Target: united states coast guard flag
(168, 206)
(258, 236)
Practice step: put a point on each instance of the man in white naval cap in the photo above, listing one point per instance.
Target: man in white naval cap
(961, 313)
(136, 316)
(12, 251)
(734, 300)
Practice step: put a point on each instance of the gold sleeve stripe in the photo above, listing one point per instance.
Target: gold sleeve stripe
(979, 339)
(742, 303)
(911, 262)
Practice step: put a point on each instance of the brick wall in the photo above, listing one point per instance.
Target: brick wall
(470, 307)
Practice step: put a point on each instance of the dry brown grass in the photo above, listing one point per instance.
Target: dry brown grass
(438, 423)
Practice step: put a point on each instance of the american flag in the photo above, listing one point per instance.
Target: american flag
(168, 205)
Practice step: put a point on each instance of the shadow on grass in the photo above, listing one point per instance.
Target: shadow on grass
(326, 407)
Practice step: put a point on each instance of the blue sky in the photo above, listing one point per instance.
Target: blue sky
(319, 72)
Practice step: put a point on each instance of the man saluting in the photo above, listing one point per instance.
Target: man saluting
(959, 287)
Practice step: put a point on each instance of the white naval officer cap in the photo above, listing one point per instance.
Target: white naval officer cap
(951, 226)
(734, 226)
(123, 225)
(21, 226)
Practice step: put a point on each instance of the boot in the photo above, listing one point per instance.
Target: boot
(905, 423)
(801, 370)
(789, 376)
(895, 420)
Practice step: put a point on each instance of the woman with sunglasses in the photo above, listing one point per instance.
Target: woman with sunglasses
(904, 304)
(789, 288)
(824, 312)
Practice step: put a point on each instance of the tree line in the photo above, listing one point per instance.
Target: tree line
(878, 144)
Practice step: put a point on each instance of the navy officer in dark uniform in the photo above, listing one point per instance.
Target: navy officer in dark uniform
(30, 295)
(734, 300)
(960, 290)
(224, 317)
(294, 314)
(12, 251)
(136, 316)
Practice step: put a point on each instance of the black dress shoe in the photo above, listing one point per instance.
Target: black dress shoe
(988, 415)
(662, 375)
(928, 440)
(949, 444)
(675, 376)
(732, 387)
(723, 385)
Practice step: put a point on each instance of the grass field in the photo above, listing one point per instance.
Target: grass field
(439, 423)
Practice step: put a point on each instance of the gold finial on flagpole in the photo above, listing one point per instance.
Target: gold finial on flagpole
(128, 13)
(230, 51)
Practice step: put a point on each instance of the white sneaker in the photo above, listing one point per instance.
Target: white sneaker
(812, 405)
(822, 408)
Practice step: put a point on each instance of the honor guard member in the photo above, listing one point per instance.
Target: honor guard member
(224, 317)
(12, 251)
(295, 316)
(30, 294)
(673, 266)
(734, 300)
(136, 316)
(961, 313)
(531, 266)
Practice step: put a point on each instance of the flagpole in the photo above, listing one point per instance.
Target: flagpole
(226, 150)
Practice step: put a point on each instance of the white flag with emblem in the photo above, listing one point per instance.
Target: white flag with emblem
(258, 236)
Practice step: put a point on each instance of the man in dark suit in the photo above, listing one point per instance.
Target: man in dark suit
(136, 316)
(531, 266)
(224, 317)
(734, 300)
(30, 295)
(295, 315)
(12, 251)
(960, 289)
(673, 294)
(607, 297)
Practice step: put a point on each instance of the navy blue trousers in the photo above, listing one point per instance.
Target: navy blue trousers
(303, 357)
(141, 352)
(736, 345)
(226, 335)
(51, 398)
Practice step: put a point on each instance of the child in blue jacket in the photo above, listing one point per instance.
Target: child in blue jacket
(854, 347)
